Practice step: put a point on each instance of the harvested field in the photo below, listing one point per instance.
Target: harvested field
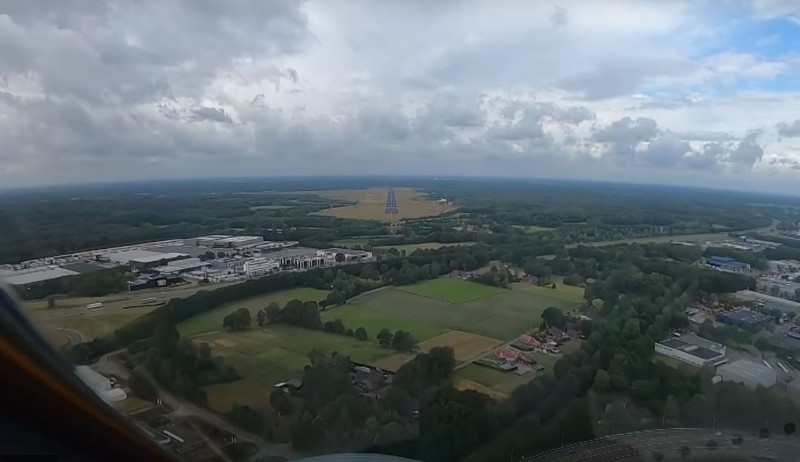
(466, 384)
(394, 362)
(465, 346)
(371, 204)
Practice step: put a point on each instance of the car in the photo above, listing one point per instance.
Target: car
(718, 434)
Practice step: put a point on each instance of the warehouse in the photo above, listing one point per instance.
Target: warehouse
(152, 261)
(689, 353)
(180, 266)
(260, 266)
(770, 301)
(743, 318)
(349, 255)
(238, 241)
(727, 264)
(749, 373)
(100, 384)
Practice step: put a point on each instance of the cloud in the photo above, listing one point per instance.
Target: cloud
(125, 89)
(789, 130)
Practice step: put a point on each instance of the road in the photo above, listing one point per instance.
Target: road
(669, 442)
(181, 408)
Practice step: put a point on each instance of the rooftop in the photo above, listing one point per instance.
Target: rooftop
(158, 257)
(745, 316)
(30, 276)
(694, 350)
(123, 257)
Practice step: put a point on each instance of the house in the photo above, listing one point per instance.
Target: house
(507, 354)
(530, 341)
(528, 359)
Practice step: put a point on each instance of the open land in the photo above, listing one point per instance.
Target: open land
(452, 290)
(563, 292)
(371, 204)
(708, 237)
(212, 320)
(356, 315)
(502, 316)
(532, 229)
(424, 246)
(465, 346)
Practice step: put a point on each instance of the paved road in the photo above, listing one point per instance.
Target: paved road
(669, 443)
(181, 408)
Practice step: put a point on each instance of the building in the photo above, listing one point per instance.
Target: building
(780, 287)
(749, 373)
(506, 354)
(181, 266)
(260, 266)
(745, 319)
(349, 255)
(770, 301)
(727, 264)
(100, 384)
(238, 241)
(686, 352)
(151, 261)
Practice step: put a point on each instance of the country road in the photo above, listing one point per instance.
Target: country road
(669, 443)
(181, 408)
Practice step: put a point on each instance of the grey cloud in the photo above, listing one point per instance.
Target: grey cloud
(213, 114)
(748, 151)
(559, 17)
(621, 77)
(623, 135)
(789, 130)
(666, 150)
(702, 135)
(707, 158)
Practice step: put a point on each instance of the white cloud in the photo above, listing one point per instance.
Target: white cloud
(129, 90)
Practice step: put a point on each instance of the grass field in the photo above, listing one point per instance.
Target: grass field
(424, 246)
(452, 290)
(486, 375)
(563, 292)
(532, 229)
(90, 324)
(710, 237)
(503, 316)
(270, 207)
(465, 346)
(212, 320)
(371, 204)
(355, 316)
(461, 383)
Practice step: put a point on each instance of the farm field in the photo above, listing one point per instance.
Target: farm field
(532, 229)
(710, 237)
(452, 290)
(503, 316)
(212, 320)
(563, 292)
(424, 246)
(465, 346)
(270, 207)
(487, 376)
(264, 357)
(90, 324)
(355, 316)
(461, 383)
(371, 203)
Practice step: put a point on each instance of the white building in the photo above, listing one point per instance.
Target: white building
(100, 384)
(686, 352)
(260, 266)
(349, 255)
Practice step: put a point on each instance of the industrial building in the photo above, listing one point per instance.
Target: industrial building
(686, 352)
(743, 318)
(260, 266)
(727, 264)
(770, 301)
(100, 384)
(749, 373)
(349, 255)
(152, 261)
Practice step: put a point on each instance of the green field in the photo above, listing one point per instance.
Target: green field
(563, 292)
(503, 316)
(355, 316)
(485, 375)
(212, 320)
(532, 229)
(271, 207)
(264, 357)
(452, 290)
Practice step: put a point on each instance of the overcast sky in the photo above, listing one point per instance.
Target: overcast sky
(703, 93)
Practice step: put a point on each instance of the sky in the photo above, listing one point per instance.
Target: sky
(703, 93)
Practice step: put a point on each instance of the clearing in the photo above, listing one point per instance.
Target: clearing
(266, 356)
(211, 321)
(371, 204)
(88, 324)
(503, 316)
(465, 346)
(355, 315)
(532, 229)
(452, 290)
(563, 292)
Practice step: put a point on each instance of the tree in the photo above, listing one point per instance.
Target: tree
(711, 444)
(443, 361)
(385, 337)
(51, 301)
(685, 451)
(403, 341)
(340, 257)
(220, 254)
(328, 276)
(336, 326)
(335, 297)
(209, 255)
(238, 320)
(246, 418)
(598, 305)
(554, 317)
(261, 317)
(553, 286)
(273, 312)
(360, 334)
(397, 400)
